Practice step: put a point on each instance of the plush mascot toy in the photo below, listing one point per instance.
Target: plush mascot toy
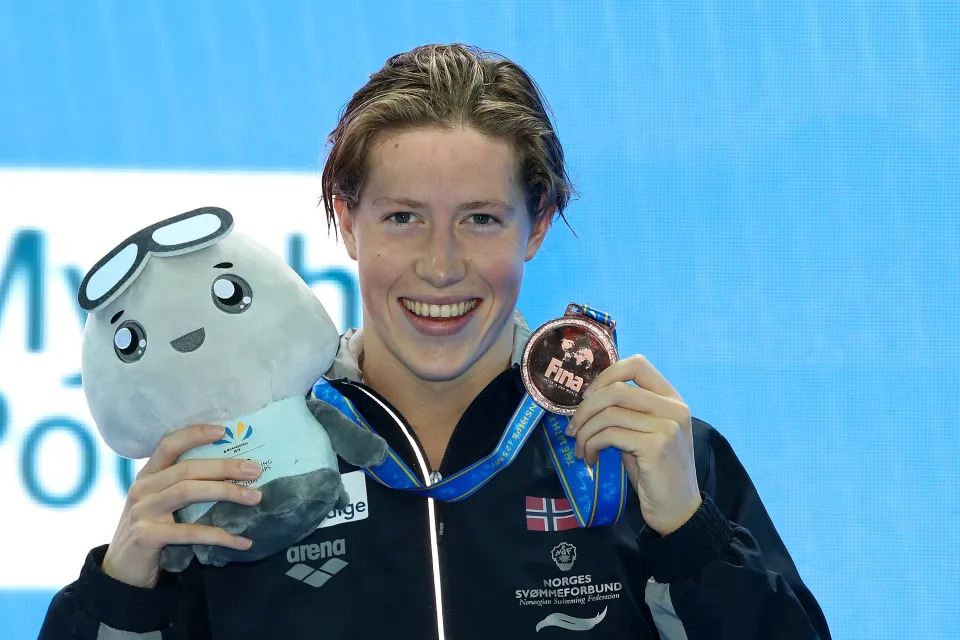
(190, 324)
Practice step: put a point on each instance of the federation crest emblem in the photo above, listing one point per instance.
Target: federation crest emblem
(564, 554)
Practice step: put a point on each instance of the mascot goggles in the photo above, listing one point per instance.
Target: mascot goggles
(180, 234)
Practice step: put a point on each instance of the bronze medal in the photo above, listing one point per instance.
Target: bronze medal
(563, 357)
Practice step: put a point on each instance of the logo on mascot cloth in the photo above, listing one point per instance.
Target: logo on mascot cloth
(243, 432)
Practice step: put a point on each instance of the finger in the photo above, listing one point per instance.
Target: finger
(620, 418)
(199, 469)
(637, 369)
(626, 440)
(175, 443)
(192, 492)
(632, 397)
(156, 535)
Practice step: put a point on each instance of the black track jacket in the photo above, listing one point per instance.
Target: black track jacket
(501, 564)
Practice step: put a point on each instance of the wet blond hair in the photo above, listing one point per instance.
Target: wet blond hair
(450, 86)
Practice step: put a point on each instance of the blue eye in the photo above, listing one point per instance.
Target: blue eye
(483, 220)
(401, 217)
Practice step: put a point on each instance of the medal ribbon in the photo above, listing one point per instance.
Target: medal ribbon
(394, 473)
(597, 493)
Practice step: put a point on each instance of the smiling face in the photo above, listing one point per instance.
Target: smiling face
(440, 233)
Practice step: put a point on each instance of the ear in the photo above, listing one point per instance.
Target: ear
(539, 231)
(345, 222)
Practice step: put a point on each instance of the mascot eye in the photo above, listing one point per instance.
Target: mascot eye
(130, 341)
(232, 294)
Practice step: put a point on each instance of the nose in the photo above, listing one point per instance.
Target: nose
(442, 261)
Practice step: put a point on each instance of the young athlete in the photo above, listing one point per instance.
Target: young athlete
(444, 176)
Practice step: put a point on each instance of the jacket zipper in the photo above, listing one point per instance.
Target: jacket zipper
(434, 521)
(442, 546)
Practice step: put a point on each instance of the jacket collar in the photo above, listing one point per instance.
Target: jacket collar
(346, 364)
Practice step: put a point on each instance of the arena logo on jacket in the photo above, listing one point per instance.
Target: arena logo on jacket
(304, 558)
(313, 564)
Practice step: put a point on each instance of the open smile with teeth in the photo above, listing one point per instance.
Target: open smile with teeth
(426, 310)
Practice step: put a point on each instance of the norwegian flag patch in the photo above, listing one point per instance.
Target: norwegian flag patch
(550, 514)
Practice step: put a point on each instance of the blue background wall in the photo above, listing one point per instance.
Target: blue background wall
(770, 208)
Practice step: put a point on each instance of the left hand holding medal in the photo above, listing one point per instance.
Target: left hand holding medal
(650, 424)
